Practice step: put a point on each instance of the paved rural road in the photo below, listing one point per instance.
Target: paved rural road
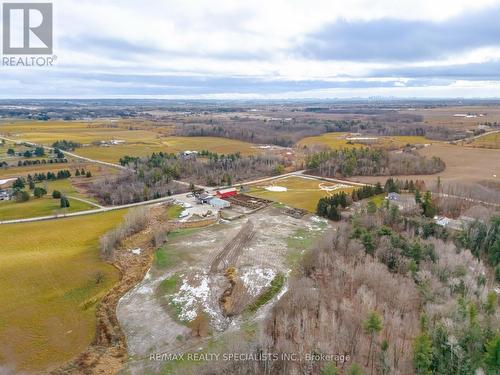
(95, 211)
(469, 199)
(66, 152)
(84, 158)
(166, 199)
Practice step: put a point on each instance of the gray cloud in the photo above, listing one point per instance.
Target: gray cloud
(399, 40)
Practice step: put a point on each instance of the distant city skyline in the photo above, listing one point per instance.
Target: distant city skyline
(279, 49)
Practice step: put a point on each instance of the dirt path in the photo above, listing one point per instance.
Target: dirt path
(230, 253)
(86, 201)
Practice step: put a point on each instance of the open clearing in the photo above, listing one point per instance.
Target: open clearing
(463, 165)
(140, 138)
(47, 132)
(51, 278)
(445, 116)
(181, 284)
(301, 192)
(340, 140)
(113, 153)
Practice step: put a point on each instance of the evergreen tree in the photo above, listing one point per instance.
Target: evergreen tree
(422, 354)
(329, 369)
(18, 184)
(39, 192)
(354, 369)
(418, 197)
(372, 326)
(64, 202)
(428, 205)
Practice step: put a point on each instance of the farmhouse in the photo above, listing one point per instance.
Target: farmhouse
(454, 224)
(226, 193)
(189, 154)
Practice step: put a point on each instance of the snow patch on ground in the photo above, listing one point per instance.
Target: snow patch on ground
(4, 181)
(191, 294)
(276, 188)
(256, 279)
(200, 291)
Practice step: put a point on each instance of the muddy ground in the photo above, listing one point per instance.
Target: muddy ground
(151, 326)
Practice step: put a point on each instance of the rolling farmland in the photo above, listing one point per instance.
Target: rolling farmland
(51, 279)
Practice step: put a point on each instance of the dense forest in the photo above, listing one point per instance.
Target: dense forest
(397, 293)
(371, 162)
(208, 168)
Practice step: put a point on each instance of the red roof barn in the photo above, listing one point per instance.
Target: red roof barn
(226, 193)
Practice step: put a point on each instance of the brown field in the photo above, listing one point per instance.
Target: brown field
(338, 140)
(463, 164)
(443, 116)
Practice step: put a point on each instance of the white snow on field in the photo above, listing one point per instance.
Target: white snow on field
(4, 181)
(188, 297)
(276, 188)
(196, 292)
(332, 187)
(256, 279)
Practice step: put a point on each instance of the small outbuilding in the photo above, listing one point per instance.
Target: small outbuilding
(226, 193)
(219, 204)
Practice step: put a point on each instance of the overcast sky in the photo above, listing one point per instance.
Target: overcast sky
(268, 49)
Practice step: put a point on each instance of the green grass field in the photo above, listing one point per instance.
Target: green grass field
(301, 192)
(113, 153)
(51, 278)
(338, 140)
(65, 186)
(44, 206)
(141, 138)
(47, 132)
(174, 211)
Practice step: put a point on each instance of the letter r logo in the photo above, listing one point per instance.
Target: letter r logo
(27, 28)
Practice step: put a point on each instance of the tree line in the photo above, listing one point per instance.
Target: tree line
(66, 145)
(367, 161)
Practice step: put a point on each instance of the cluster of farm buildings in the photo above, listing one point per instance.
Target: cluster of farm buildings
(217, 201)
